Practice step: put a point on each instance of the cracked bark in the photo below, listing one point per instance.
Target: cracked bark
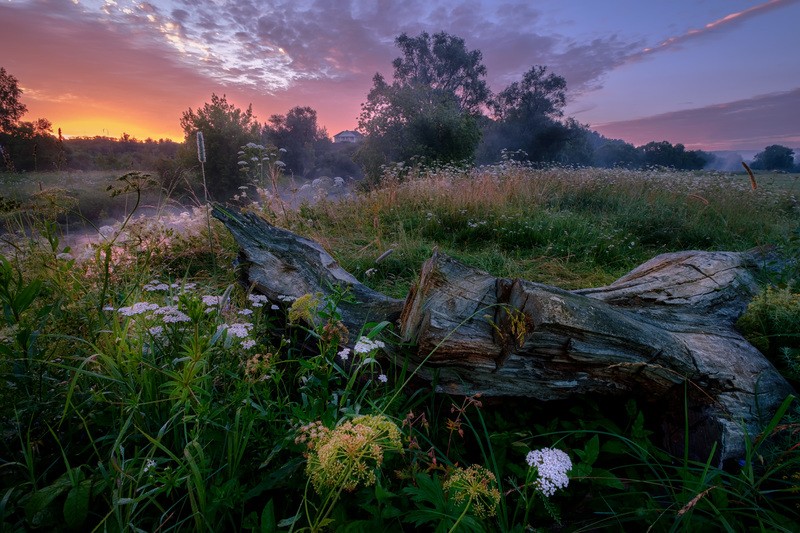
(660, 333)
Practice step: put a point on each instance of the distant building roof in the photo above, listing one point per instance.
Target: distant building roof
(347, 136)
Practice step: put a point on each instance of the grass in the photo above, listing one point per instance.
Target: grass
(146, 389)
(571, 228)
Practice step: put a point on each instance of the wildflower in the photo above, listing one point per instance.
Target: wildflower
(108, 308)
(273, 307)
(383, 378)
(211, 300)
(175, 317)
(478, 486)
(246, 312)
(149, 465)
(303, 308)
(240, 330)
(258, 367)
(366, 345)
(551, 467)
(344, 354)
(137, 309)
(249, 343)
(350, 454)
(258, 300)
(155, 286)
(334, 332)
(156, 330)
(285, 298)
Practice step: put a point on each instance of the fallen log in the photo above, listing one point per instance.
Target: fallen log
(281, 264)
(662, 333)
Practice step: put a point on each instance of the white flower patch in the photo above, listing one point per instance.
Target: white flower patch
(344, 354)
(366, 345)
(258, 300)
(551, 466)
(155, 286)
(175, 316)
(239, 330)
(138, 308)
(209, 300)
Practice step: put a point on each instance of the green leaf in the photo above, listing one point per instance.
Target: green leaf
(580, 470)
(590, 452)
(76, 506)
(268, 521)
(42, 498)
(25, 297)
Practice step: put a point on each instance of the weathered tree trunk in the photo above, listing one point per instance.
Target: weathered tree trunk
(662, 333)
(281, 263)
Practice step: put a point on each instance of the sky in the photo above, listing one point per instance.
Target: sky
(711, 74)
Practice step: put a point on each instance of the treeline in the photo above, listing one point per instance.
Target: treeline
(36, 149)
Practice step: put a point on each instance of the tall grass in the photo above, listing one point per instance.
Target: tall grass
(568, 227)
(146, 390)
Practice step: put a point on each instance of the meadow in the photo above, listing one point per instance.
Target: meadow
(145, 388)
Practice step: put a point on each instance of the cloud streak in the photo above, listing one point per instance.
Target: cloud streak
(728, 21)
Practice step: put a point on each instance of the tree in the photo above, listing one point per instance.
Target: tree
(298, 133)
(617, 153)
(526, 114)
(539, 94)
(443, 64)
(431, 107)
(664, 154)
(226, 128)
(774, 157)
(11, 109)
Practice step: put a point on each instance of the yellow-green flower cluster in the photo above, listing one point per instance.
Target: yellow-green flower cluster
(350, 454)
(478, 486)
(304, 308)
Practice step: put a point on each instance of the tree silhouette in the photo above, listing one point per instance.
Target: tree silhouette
(11, 109)
(430, 109)
(774, 157)
(298, 133)
(226, 129)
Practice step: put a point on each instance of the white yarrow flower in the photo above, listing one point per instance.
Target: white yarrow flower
(551, 466)
(366, 345)
(344, 354)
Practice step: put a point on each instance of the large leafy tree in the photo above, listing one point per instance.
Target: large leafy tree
(226, 128)
(774, 157)
(539, 94)
(431, 107)
(442, 63)
(527, 113)
(299, 134)
(11, 109)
